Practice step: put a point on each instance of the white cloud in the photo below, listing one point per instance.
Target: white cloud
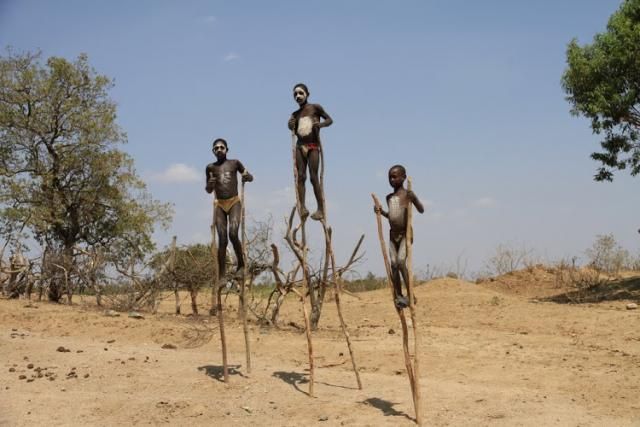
(231, 56)
(177, 172)
(484, 202)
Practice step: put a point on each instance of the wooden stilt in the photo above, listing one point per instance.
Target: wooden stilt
(336, 278)
(217, 288)
(403, 321)
(302, 258)
(243, 308)
(412, 311)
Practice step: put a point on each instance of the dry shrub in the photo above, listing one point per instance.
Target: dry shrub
(608, 256)
(508, 258)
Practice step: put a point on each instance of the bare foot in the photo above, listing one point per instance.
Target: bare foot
(401, 302)
(317, 215)
(304, 213)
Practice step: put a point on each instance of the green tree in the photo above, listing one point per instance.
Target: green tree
(61, 173)
(602, 82)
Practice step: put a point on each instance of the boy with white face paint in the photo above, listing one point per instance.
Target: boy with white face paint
(306, 123)
(222, 177)
(399, 202)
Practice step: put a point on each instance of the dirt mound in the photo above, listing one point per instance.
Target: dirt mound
(533, 282)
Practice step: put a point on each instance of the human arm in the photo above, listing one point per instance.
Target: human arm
(416, 202)
(326, 119)
(291, 124)
(210, 180)
(379, 210)
(246, 176)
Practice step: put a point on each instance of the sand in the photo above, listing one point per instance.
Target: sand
(489, 356)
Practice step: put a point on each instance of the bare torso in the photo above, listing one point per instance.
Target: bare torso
(226, 177)
(398, 203)
(307, 119)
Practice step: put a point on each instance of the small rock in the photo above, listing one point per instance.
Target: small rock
(323, 418)
(135, 315)
(30, 380)
(61, 349)
(111, 313)
(79, 351)
(12, 369)
(86, 375)
(246, 408)
(30, 366)
(632, 306)
(22, 377)
(111, 341)
(392, 331)
(169, 347)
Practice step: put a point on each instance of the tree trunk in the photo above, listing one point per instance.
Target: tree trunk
(175, 291)
(194, 302)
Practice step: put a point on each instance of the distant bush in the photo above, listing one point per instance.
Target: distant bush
(369, 283)
(608, 256)
(508, 258)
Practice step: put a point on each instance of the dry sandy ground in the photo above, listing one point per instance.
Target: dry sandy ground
(488, 357)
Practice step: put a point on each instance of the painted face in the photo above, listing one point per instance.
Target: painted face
(300, 95)
(219, 149)
(396, 178)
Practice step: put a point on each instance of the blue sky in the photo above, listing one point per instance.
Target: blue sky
(466, 95)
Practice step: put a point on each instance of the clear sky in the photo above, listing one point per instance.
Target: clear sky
(465, 94)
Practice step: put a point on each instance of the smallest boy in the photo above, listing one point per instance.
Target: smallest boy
(399, 202)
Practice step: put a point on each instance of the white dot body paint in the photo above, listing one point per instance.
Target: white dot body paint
(305, 126)
(394, 208)
(226, 178)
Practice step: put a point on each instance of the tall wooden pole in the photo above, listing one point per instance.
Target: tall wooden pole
(412, 311)
(218, 293)
(336, 279)
(305, 272)
(243, 308)
(403, 321)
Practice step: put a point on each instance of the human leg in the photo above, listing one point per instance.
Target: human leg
(301, 168)
(235, 217)
(394, 249)
(221, 229)
(314, 165)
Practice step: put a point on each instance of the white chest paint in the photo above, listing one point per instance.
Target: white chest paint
(305, 126)
(395, 210)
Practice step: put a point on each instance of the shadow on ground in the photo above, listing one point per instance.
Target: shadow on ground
(622, 289)
(217, 372)
(293, 378)
(386, 407)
